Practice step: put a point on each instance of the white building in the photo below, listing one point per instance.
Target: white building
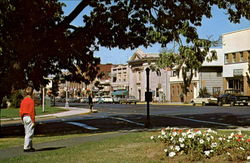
(158, 83)
(236, 46)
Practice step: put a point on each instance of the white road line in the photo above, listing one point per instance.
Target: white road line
(82, 125)
(126, 120)
(195, 120)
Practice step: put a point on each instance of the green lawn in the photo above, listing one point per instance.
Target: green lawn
(14, 112)
(130, 148)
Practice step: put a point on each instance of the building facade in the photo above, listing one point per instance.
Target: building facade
(120, 80)
(236, 47)
(209, 77)
(158, 82)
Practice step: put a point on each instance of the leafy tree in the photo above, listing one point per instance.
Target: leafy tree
(36, 40)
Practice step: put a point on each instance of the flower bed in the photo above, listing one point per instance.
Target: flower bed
(204, 144)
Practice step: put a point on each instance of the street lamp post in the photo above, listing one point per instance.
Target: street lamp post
(148, 97)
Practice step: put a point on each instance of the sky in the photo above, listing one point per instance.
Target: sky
(215, 27)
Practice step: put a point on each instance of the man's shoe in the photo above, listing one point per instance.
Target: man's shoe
(29, 150)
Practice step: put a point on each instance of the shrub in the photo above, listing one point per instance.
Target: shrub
(16, 98)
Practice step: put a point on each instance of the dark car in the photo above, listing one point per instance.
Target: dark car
(233, 97)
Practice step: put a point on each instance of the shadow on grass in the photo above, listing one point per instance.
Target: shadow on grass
(48, 149)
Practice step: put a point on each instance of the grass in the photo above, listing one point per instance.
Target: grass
(14, 112)
(17, 141)
(130, 148)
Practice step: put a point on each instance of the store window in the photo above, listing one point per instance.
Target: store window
(236, 84)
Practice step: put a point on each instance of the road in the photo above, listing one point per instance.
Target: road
(113, 117)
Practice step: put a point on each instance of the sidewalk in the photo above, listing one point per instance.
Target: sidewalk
(72, 111)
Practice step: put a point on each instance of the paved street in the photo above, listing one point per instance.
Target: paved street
(116, 117)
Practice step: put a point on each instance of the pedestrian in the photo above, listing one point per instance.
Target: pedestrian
(27, 113)
(90, 103)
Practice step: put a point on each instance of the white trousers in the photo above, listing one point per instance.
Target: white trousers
(29, 132)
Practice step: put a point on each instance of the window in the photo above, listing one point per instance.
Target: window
(226, 58)
(241, 57)
(216, 91)
(233, 57)
(236, 84)
(139, 76)
(157, 92)
(114, 79)
(219, 74)
(175, 73)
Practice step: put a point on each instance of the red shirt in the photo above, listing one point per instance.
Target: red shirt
(27, 107)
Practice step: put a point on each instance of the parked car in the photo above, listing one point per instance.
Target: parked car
(97, 99)
(84, 100)
(116, 100)
(204, 100)
(129, 100)
(233, 97)
(107, 99)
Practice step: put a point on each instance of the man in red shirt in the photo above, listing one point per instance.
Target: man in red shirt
(27, 113)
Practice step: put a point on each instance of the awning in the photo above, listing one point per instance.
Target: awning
(120, 92)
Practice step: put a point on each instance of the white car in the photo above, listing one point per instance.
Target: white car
(205, 100)
(107, 99)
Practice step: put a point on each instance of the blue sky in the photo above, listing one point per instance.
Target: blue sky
(215, 27)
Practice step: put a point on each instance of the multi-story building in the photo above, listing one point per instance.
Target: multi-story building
(236, 47)
(158, 82)
(120, 80)
(209, 76)
(104, 86)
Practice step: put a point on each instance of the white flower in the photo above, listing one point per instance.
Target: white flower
(220, 138)
(177, 148)
(208, 139)
(213, 145)
(163, 132)
(242, 148)
(152, 137)
(166, 150)
(191, 135)
(182, 145)
(209, 130)
(228, 154)
(184, 134)
(202, 141)
(174, 133)
(248, 157)
(171, 147)
(198, 133)
(171, 154)
(207, 153)
(181, 140)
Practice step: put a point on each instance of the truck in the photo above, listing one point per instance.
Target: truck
(233, 97)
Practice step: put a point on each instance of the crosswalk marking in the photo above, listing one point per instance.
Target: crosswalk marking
(82, 125)
(126, 120)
